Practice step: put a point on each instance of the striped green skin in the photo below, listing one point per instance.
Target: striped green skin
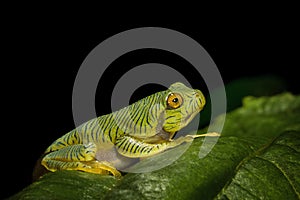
(135, 148)
(75, 153)
(140, 129)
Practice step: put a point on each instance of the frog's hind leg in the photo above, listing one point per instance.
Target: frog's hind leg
(77, 157)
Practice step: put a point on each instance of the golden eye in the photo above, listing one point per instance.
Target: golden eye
(174, 100)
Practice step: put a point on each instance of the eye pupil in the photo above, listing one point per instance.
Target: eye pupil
(175, 100)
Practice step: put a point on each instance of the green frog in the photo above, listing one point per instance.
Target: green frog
(108, 143)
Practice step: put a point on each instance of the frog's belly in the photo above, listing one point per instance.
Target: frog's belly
(113, 157)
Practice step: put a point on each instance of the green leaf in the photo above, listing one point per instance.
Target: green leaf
(257, 157)
(272, 172)
(68, 185)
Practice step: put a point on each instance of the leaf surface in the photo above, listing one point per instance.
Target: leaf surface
(256, 157)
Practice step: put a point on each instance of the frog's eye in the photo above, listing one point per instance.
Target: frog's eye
(174, 100)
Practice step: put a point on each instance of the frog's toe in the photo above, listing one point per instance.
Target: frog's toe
(102, 167)
(210, 134)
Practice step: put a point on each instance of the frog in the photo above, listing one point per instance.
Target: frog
(109, 143)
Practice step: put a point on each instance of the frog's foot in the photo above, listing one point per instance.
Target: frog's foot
(189, 138)
(78, 157)
(100, 167)
(211, 134)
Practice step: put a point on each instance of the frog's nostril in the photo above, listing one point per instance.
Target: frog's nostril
(200, 96)
(198, 93)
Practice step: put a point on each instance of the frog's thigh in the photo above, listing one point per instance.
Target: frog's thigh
(77, 157)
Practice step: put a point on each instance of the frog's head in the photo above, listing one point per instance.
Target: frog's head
(182, 104)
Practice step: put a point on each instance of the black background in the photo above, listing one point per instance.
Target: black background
(42, 56)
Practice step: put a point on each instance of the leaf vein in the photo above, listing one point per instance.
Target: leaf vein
(245, 189)
(287, 146)
(253, 174)
(283, 173)
(247, 158)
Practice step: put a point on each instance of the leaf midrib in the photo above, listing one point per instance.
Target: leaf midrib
(283, 173)
(246, 159)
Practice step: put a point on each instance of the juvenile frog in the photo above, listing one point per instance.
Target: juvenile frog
(145, 128)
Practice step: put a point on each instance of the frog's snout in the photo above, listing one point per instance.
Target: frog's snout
(199, 95)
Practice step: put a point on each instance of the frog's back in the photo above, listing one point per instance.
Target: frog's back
(98, 131)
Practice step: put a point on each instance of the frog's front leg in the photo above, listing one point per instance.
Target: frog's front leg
(78, 157)
(137, 148)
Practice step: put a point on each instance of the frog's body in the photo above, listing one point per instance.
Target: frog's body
(142, 129)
